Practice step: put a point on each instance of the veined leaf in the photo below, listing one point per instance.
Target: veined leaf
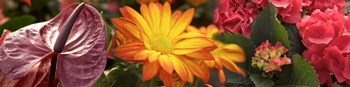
(267, 27)
(260, 81)
(299, 73)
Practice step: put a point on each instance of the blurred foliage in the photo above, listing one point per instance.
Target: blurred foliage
(18, 22)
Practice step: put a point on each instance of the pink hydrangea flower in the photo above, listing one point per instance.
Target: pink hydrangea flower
(290, 10)
(268, 58)
(312, 5)
(326, 37)
(235, 16)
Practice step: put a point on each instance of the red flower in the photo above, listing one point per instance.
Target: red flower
(4, 34)
(328, 46)
(261, 3)
(25, 54)
(235, 16)
(312, 5)
(290, 11)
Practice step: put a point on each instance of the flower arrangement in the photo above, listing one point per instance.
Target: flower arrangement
(174, 43)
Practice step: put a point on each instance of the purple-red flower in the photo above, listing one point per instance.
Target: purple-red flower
(235, 16)
(326, 37)
(28, 51)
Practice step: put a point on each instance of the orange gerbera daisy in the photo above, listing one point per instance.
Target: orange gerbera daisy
(149, 1)
(224, 56)
(156, 37)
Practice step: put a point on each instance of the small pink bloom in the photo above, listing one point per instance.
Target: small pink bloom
(268, 58)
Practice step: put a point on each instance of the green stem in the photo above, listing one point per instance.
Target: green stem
(195, 82)
(153, 82)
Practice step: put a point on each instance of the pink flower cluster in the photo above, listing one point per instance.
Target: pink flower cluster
(235, 16)
(312, 5)
(326, 35)
(268, 58)
(290, 10)
(238, 15)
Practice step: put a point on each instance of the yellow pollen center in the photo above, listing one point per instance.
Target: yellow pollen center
(162, 44)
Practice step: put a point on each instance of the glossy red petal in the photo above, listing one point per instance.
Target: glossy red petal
(80, 64)
(35, 77)
(21, 50)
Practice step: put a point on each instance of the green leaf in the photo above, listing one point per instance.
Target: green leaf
(18, 22)
(101, 82)
(267, 27)
(110, 32)
(260, 81)
(297, 47)
(127, 2)
(246, 44)
(300, 73)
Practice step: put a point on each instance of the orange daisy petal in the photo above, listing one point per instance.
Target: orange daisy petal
(166, 78)
(128, 50)
(232, 66)
(179, 67)
(175, 17)
(192, 29)
(236, 57)
(194, 43)
(190, 76)
(166, 63)
(182, 23)
(202, 54)
(210, 63)
(222, 77)
(196, 69)
(141, 22)
(153, 56)
(218, 63)
(184, 51)
(146, 14)
(149, 70)
(189, 35)
(127, 28)
(166, 19)
(142, 55)
(233, 48)
(125, 13)
(155, 16)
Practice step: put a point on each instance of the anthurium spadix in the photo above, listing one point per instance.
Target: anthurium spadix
(75, 38)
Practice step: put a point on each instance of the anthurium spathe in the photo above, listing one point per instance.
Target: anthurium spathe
(157, 38)
(79, 64)
(4, 34)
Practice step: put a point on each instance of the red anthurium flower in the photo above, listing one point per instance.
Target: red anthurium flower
(4, 34)
(79, 64)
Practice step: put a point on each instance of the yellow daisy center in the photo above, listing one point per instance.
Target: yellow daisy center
(162, 44)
